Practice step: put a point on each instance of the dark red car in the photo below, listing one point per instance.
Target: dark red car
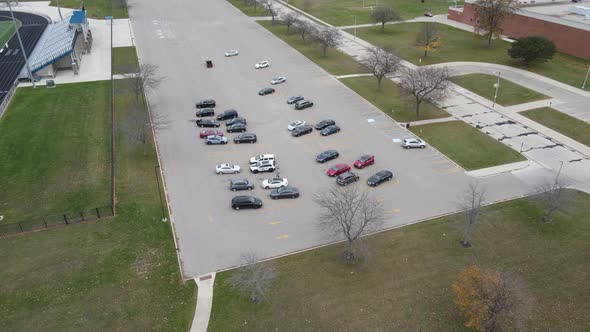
(337, 169)
(364, 161)
(208, 132)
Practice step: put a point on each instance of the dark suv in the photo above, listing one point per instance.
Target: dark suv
(301, 130)
(346, 178)
(205, 112)
(246, 202)
(303, 104)
(241, 184)
(205, 103)
(226, 115)
(326, 156)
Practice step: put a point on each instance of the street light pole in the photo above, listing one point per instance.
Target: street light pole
(586, 79)
(59, 10)
(497, 85)
(20, 42)
(354, 26)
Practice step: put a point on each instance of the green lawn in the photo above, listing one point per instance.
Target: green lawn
(249, 10)
(335, 62)
(125, 60)
(466, 145)
(391, 101)
(342, 12)
(460, 45)
(6, 32)
(406, 286)
(562, 123)
(97, 8)
(110, 275)
(508, 93)
(43, 175)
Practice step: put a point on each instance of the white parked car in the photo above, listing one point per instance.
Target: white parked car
(232, 53)
(262, 64)
(410, 143)
(262, 157)
(263, 166)
(296, 124)
(278, 79)
(274, 183)
(227, 169)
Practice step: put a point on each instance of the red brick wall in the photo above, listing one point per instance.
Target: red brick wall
(567, 39)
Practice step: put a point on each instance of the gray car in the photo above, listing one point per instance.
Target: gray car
(214, 139)
(236, 128)
(241, 184)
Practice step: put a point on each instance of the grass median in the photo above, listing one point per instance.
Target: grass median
(406, 284)
(465, 145)
(249, 10)
(508, 93)
(114, 274)
(335, 62)
(125, 60)
(391, 101)
(567, 125)
(460, 45)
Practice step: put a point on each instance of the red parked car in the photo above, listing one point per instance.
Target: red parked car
(364, 161)
(337, 169)
(208, 132)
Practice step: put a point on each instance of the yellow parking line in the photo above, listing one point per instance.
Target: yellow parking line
(282, 237)
(210, 219)
(275, 222)
(394, 211)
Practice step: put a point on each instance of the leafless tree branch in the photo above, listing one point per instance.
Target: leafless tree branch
(384, 14)
(472, 201)
(328, 37)
(490, 16)
(254, 278)
(428, 84)
(381, 62)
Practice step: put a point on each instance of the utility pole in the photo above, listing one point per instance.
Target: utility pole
(497, 86)
(354, 27)
(20, 42)
(586, 79)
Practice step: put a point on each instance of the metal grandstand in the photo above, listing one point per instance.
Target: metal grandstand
(56, 43)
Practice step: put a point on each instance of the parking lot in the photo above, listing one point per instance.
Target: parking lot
(211, 235)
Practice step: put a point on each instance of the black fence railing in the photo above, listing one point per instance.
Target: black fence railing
(55, 221)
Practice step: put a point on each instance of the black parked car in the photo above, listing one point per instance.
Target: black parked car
(226, 115)
(236, 128)
(205, 112)
(241, 184)
(379, 177)
(206, 103)
(246, 202)
(266, 91)
(327, 156)
(323, 124)
(303, 104)
(207, 123)
(245, 138)
(346, 178)
(301, 130)
(294, 99)
(329, 130)
(284, 192)
(235, 120)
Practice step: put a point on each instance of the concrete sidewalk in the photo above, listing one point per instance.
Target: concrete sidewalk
(204, 302)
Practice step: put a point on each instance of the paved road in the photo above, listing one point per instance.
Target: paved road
(211, 235)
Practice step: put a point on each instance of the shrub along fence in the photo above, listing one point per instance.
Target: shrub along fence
(55, 221)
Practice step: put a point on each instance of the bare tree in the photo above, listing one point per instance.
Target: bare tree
(304, 28)
(144, 125)
(490, 15)
(472, 201)
(381, 62)
(145, 80)
(428, 84)
(289, 19)
(552, 196)
(347, 212)
(492, 300)
(428, 37)
(384, 14)
(252, 3)
(269, 5)
(253, 279)
(328, 37)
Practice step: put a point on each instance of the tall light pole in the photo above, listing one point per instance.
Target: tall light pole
(20, 42)
(586, 79)
(59, 10)
(354, 26)
(497, 86)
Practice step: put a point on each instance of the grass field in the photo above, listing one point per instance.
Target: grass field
(6, 32)
(125, 60)
(508, 93)
(459, 45)
(391, 101)
(335, 62)
(406, 285)
(342, 12)
(567, 125)
(116, 274)
(249, 10)
(466, 145)
(43, 175)
(96, 8)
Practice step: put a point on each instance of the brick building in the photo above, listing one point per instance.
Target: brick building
(556, 21)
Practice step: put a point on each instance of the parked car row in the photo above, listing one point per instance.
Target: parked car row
(300, 127)
(343, 173)
(234, 124)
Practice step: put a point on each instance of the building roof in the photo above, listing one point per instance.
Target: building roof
(78, 17)
(57, 42)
